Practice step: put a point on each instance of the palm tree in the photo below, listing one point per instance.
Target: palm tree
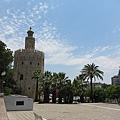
(91, 71)
(77, 86)
(61, 81)
(68, 92)
(54, 86)
(82, 79)
(38, 75)
(47, 83)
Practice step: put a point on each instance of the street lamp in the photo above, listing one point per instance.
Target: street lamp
(2, 74)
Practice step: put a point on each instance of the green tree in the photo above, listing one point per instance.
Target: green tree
(10, 85)
(38, 76)
(6, 60)
(110, 92)
(77, 87)
(117, 93)
(47, 84)
(99, 95)
(113, 92)
(60, 83)
(87, 94)
(54, 86)
(67, 91)
(6, 57)
(91, 71)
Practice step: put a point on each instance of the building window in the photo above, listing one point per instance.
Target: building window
(30, 63)
(29, 88)
(22, 63)
(38, 64)
(21, 76)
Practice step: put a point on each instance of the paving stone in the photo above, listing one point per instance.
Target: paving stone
(3, 113)
(86, 111)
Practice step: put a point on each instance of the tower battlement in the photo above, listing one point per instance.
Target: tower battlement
(29, 50)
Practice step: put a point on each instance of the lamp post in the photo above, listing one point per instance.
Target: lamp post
(2, 74)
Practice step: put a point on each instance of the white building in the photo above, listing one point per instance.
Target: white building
(115, 80)
(97, 85)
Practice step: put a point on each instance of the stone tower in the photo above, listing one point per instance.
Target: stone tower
(25, 62)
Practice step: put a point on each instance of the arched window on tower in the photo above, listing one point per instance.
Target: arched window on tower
(21, 76)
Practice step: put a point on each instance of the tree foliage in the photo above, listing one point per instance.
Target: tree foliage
(113, 92)
(49, 83)
(99, 95)
(77, 87)
(90, 72)
(38, 76)
(6, 59)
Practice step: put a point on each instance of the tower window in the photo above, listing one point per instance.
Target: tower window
(21, 76)
(30, 63)
(29, 88)
(22, 63)
(38, 63)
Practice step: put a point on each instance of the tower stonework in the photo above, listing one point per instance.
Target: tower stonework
(26, 61)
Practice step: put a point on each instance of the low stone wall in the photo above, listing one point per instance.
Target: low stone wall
(18, 102)
(1, 95)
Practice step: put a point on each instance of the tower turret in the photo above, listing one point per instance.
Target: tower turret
(30, 40)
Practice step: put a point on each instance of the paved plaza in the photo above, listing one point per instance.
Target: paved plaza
(3, 114)
(82, 111)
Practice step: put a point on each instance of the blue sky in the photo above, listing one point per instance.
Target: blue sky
(71, 33)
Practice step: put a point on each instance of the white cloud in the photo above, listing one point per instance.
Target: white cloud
(116, 30)
(105, 48)
(7, 0)
(9, 30)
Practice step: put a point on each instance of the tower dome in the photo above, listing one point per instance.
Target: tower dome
(30, 32)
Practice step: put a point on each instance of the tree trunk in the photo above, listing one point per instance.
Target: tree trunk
(82, 95)
(36, 94)
(46, 95)
(91, 89)
(71, 97)
(60, 97)
(54, 94)
(82, 98)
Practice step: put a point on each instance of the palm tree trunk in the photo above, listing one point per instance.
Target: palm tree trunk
(91, 89)
(60, 97)
(46, 95)
(54, 94)
(71, 97)
(36, 95)
(82, 95)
